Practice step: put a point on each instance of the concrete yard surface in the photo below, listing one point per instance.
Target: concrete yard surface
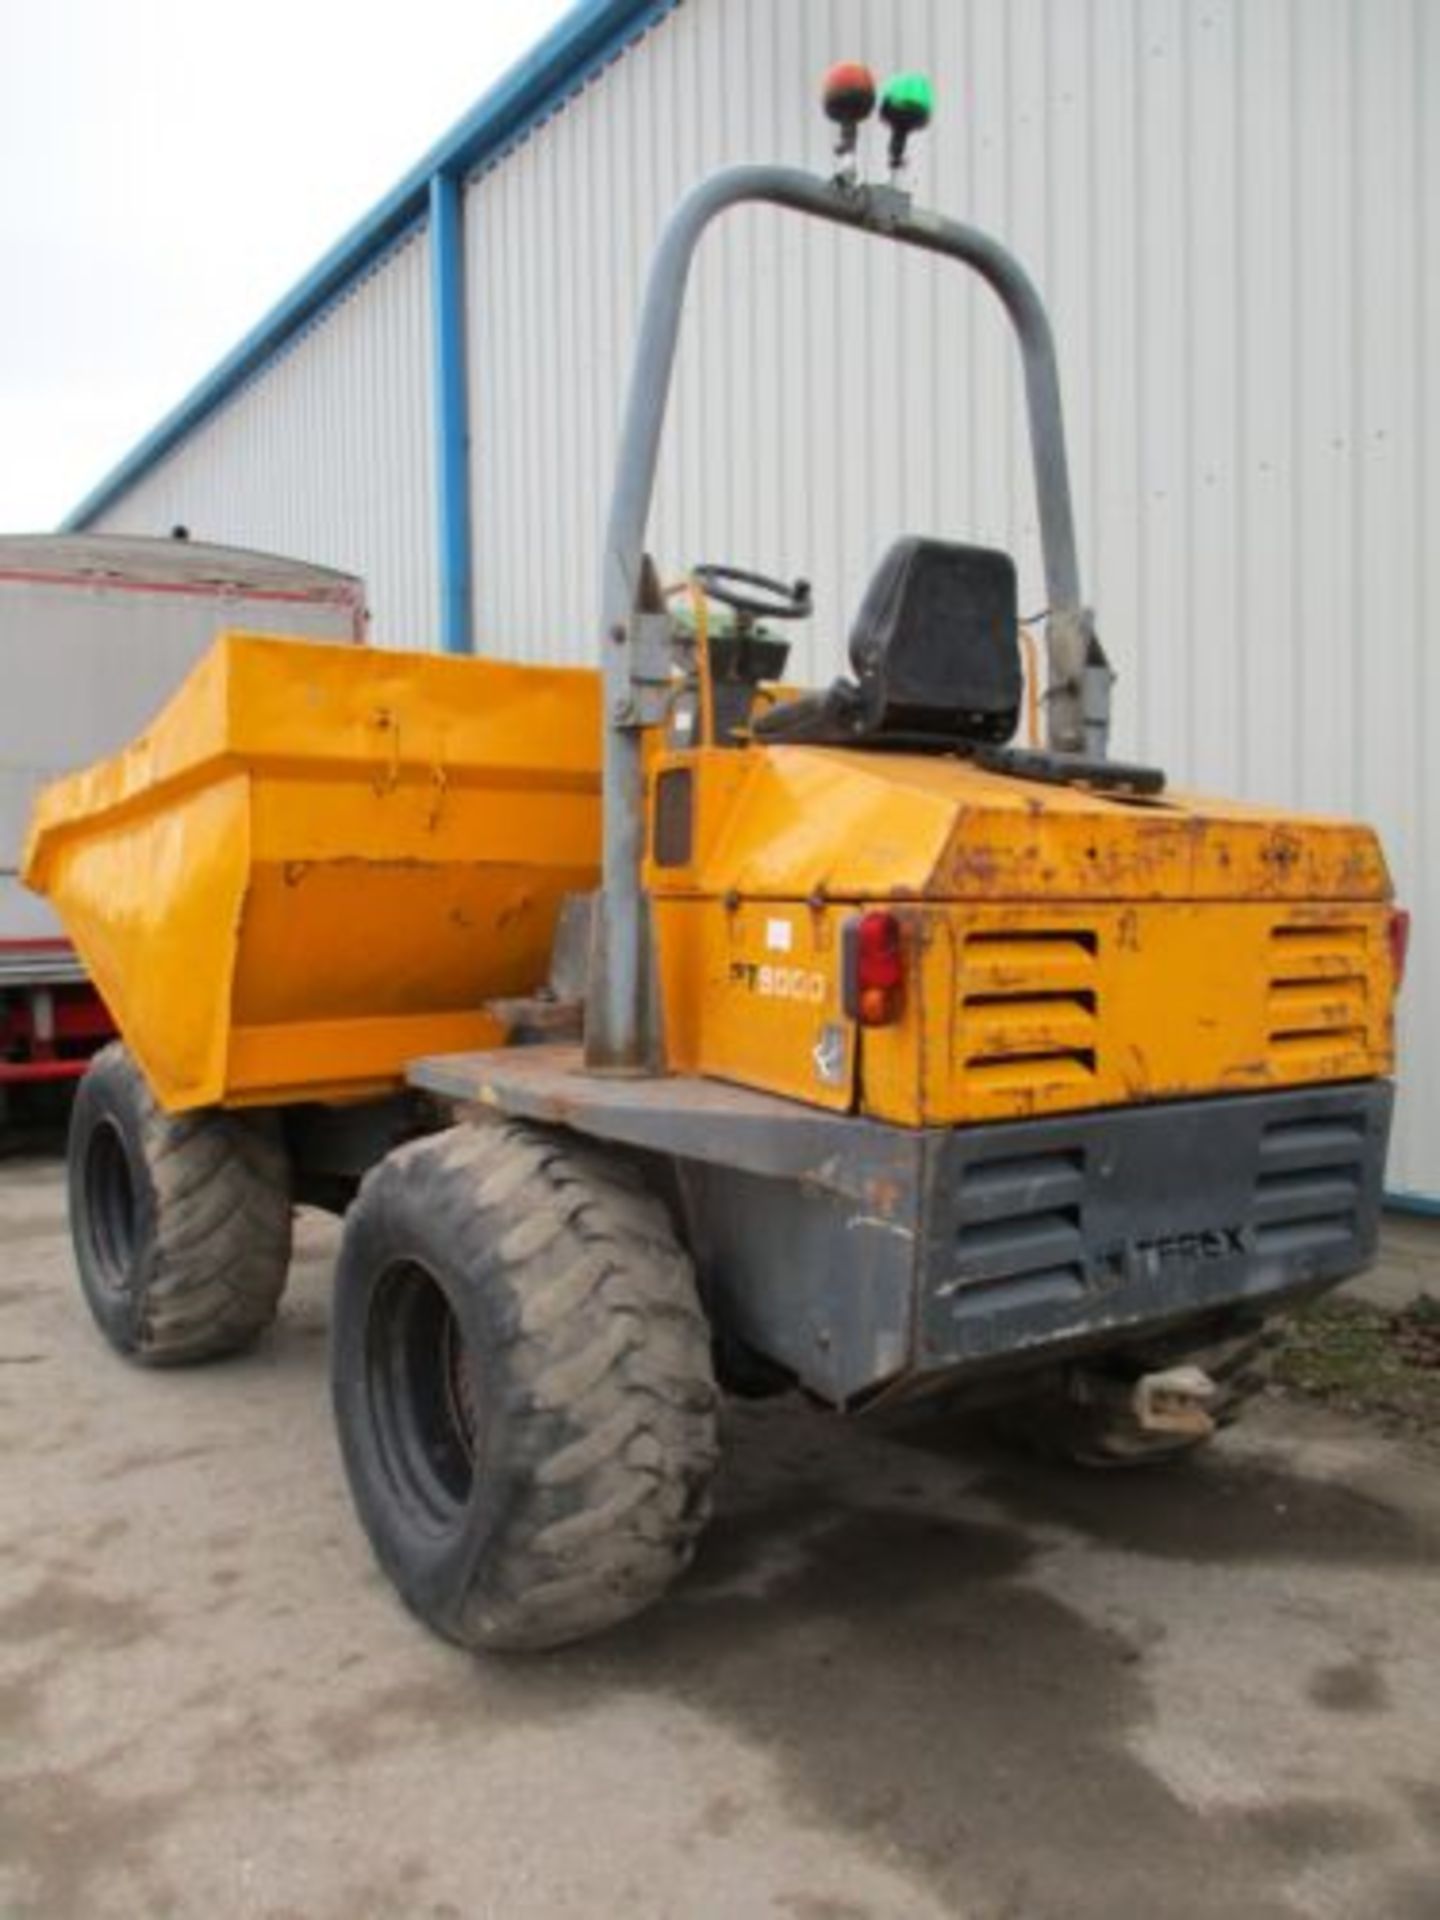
(1409, 1262)
(910, 1675)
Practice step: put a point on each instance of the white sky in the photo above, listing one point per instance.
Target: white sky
(168, 171)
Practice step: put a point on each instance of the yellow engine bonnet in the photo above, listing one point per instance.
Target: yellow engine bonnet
(1064, 948)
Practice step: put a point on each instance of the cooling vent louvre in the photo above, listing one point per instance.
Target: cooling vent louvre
(1022, 1240)
(1308, 1184)
(1319, 1001)
(1029, 1019)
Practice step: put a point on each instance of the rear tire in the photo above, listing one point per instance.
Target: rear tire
(522, 1385)
(181, 1223)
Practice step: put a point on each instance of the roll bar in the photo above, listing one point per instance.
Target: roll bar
(622, 1018)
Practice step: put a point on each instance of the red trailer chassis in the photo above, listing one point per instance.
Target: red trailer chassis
(51, 1018)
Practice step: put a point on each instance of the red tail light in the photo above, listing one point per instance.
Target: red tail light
(874, 968)
(1399, 931)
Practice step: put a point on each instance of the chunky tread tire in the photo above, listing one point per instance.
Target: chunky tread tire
(181, 1223)
(587, 1377)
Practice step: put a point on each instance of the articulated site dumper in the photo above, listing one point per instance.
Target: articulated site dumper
(664, 1027)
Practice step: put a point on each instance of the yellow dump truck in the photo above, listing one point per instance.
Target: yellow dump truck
(663, 1025)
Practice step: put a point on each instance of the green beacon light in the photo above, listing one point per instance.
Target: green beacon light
(906, 106)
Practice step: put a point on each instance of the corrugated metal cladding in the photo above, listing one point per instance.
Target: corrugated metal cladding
(1232, 208)
(327, 453)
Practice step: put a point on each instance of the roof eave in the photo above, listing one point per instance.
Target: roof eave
(588, 36)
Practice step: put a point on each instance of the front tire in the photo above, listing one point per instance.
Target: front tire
(522, 1385)
(181, 1223)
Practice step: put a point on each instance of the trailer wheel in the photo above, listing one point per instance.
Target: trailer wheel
(522, 1385)
(181, 1223)
(1094, 1431)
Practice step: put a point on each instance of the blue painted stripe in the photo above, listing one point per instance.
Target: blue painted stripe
(452, 412)
(1402, 1201)
(585, 40)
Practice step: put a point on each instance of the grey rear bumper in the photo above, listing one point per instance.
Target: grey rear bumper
(1023, 1244)
(1051, 1231)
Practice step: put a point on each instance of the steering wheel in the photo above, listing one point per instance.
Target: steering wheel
(777, 601)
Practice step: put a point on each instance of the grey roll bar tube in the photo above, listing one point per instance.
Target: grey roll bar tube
(622, 1027)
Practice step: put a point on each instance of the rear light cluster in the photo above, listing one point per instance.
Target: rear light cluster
(873, 968)
(1399, 943)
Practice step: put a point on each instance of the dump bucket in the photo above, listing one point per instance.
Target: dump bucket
(320, 862)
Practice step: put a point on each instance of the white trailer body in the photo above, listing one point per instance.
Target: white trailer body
(96, 632)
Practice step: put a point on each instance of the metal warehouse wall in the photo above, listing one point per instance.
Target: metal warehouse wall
(327, 453)
(1232, 210)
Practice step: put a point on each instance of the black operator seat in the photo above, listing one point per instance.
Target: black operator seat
(935, 652)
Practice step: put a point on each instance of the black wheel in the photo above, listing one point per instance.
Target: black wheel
(181, 1222)
(1088, 1423)
(522, 1385)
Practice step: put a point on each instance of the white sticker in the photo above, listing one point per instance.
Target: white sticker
(778, 935)
(828, 1054)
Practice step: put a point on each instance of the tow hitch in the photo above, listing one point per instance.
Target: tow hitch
(1155, 1414)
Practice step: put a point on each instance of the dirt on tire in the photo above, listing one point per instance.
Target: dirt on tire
(586, 1399)
(181, 1223)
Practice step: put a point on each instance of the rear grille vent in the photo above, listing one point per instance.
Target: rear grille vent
(1318, 1002)
(1029, 1020)
(1308, 1185)
(1021, 1239)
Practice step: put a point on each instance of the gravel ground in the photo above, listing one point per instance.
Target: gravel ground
(910, 1676)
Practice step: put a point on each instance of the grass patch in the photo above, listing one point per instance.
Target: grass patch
(1367, 1359)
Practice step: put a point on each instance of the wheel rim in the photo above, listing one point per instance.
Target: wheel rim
(421, 1394)
(110, 1205)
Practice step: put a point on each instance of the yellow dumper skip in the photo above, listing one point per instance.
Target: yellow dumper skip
(321, 862)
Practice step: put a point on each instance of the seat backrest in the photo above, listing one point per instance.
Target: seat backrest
(936, 646)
